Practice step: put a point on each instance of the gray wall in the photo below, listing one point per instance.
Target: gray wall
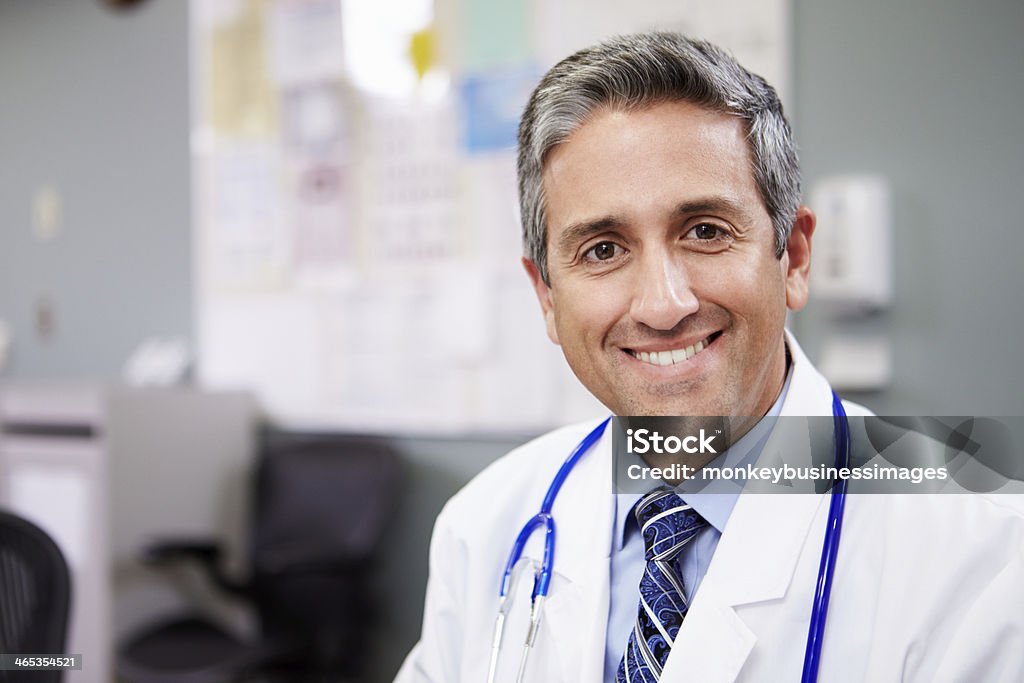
(95, 103)
(927, 92)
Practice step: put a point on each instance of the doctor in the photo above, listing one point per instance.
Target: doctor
(665, 240)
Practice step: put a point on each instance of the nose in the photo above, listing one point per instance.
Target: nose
(662, 296)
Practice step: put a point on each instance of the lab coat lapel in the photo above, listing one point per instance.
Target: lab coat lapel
(576, 613)
(755, 559)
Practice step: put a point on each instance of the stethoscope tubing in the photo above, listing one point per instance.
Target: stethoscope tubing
(830, 547)
(544, 518)
(542, 584)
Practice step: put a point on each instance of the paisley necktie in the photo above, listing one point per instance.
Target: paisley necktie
(667, 525)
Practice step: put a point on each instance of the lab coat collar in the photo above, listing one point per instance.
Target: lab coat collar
(809, 393)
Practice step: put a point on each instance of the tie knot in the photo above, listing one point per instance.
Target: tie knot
(667, 524)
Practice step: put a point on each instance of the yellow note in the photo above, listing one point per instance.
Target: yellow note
(423, 50)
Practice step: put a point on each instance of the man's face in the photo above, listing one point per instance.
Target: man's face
(666, 295)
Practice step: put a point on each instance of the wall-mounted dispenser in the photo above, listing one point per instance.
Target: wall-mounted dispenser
(852, 263)
(851, 279)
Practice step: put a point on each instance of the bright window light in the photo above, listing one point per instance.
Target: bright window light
(377, 35)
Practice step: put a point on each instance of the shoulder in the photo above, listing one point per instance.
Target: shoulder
(980, 514)
(930, 584)
(945, 534)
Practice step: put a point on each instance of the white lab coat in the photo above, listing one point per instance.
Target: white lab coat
(926, 588)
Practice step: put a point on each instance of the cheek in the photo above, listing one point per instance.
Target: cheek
(750, 290)
(765, 302)
(585, 311)
(762, 280)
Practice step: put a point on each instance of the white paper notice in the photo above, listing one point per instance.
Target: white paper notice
(306, 41)
(247, 244)
(403, 353)
(755, 31)
(409, 171)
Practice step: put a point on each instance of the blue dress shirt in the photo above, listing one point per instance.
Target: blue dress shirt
(714, 503)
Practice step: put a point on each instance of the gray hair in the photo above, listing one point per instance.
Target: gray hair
(637, 71)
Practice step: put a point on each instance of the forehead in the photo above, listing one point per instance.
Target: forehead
(652, 159)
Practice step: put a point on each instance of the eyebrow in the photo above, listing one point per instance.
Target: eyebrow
(577, 233)
(717, 204)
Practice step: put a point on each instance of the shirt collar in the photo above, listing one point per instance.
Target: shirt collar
(713, 503)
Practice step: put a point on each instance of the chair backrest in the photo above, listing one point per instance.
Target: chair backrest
(321, 507)
(35, 593)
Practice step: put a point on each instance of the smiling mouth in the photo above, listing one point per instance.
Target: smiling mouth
(673, 356)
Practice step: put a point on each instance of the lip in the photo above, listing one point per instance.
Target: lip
(708, 339)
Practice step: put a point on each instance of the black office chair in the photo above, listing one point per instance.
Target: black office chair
(35, 594)
(320, 508)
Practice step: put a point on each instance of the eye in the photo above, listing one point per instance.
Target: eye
(602, 251)
(707, 232)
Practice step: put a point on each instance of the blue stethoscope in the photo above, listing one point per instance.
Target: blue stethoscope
(542, 578)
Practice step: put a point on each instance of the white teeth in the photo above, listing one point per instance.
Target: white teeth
(671, 357)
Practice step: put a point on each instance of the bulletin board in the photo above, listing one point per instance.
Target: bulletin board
(357, 254)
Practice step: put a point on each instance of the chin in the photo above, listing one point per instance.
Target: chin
(670, 401)
(648, 407)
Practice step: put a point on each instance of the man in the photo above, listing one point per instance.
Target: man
(665, 240)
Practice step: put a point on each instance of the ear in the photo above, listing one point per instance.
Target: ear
(798, 259)
(543, 296)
